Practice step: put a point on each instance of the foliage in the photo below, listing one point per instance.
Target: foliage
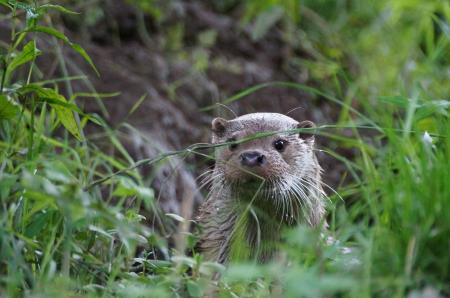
(52, 227)
(71, 218)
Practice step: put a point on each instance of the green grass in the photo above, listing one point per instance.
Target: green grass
(71, 220)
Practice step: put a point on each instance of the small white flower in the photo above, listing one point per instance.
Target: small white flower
(346, 250)
(427, 139)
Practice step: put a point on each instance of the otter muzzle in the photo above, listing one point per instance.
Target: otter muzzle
(252, 158)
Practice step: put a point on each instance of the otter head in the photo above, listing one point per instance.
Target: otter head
(263, 146)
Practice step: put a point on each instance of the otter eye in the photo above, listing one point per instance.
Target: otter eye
(279, 144)
(232, 146)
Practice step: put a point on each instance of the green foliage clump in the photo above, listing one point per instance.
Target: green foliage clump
(56, 235)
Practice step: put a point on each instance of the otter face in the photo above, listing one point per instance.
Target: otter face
(277, 155)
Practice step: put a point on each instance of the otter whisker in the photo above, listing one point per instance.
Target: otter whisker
(319, 190)
(291, 209)
(294, 198)
(303, 200)
(298, 196)
(208, 181)
(298, 187)
(288, 199)
(332, 189)
(205, 173)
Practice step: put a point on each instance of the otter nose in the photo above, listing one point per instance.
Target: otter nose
(252, 158)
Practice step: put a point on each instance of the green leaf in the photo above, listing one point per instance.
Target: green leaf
(5, 3)
(66, 117)
(38, 224)
(70, 106)
(7, 182)
(8, 108)
(194, 289)
(50, 31)
(31, 13)
(73, 108)
(395, 100)
(76, 47)
(94, 95)
(127, 187)
(265, 21)
(28, 53)
(57, 171)
(175, 217)
(136, 105)
(100, 231)
(17, 4)
(59, 8)
(207, 38)
(208, 268)
(58, 103)
(432, 107)
(82, 52)
(243, 271)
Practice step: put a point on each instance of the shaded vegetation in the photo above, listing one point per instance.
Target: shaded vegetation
(77, 219)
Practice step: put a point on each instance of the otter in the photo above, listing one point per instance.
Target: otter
(266, 178)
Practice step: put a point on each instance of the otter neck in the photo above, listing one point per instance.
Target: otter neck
(255, 230)
(243, 221)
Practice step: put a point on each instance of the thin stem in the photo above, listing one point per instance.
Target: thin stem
(5, 68)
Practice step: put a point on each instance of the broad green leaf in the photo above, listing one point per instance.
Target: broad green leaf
(50, 31)
(48, 203)
(73, 108)
(8, 108)
(28, 53)
(37, 224)
(65, 114)
(61, 36)
(70, 106)
(194, 289)
(66, 117)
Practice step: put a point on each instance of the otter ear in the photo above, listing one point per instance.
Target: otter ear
(308, 133)
(218, 126)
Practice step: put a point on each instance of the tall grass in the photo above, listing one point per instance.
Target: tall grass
(56, 237)
(71, 220)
